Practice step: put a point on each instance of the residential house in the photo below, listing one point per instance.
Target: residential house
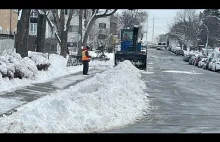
(8, 24)
(101, 32)
(8, 21)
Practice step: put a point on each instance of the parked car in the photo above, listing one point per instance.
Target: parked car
(159, 47)
(192, 59)
(197, 59)
(202, 62)
(175, 48)
(215, 64)
(209, 59)
(179, 52)
(187, 57)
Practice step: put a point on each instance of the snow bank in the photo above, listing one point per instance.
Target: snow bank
(185, 72)
(6, 104)
(57, 68)
(196, 53)
(111, 99)
(38, 57)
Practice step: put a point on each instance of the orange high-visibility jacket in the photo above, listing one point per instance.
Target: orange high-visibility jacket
(84, 57)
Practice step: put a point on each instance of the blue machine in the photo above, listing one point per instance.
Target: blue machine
(131, 49)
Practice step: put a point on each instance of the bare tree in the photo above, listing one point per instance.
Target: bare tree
(129, 18)
(97, 13)
(21, 40)
(186, 23)
(93, 37)
(210, 27)
(62, 26)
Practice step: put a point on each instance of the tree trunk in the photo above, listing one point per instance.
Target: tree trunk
(63, 44)
(21, 40)
(80, 31)
(63, 33)
(41, 29)
(88, 31)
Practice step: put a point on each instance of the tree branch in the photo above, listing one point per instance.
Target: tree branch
(69, 19)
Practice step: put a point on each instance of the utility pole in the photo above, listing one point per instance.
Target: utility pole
(153, 31)
(147, 30)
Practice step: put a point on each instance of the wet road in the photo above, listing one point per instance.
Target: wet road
(186, 101)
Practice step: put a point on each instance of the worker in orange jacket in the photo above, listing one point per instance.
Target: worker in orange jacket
(85, 60)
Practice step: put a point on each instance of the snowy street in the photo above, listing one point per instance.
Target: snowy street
(183, 98)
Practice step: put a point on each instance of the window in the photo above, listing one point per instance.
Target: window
(34, 14)
(102, 25)
(74, 28)
(33, 29)
(102, 36)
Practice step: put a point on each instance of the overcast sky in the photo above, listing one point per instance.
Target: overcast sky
(161, 18)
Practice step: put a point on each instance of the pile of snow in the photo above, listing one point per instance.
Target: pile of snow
(108, 100)
(183, 72)
(6, 104)
(38, 57)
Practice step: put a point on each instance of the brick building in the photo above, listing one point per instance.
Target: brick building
(8, 21)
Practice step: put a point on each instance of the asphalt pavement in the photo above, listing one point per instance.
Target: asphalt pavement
(186, 101)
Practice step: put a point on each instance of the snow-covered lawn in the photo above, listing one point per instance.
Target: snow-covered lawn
(56, 69)
(111, 99)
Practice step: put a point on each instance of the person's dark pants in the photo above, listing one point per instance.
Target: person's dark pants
(85, 67)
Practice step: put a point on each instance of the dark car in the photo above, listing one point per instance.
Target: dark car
(187, 57)
(180, 52)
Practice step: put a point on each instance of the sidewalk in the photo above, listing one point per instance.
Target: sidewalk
(38, 90)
